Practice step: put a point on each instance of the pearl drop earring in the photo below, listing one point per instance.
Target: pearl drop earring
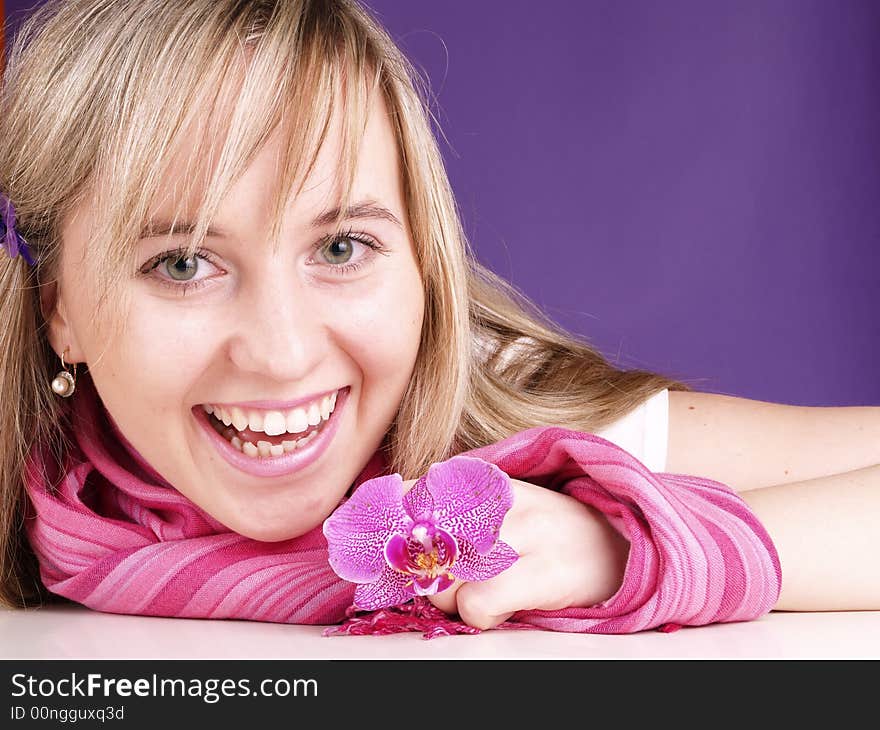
(64, 383)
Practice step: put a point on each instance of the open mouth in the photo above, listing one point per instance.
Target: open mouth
(263, 434)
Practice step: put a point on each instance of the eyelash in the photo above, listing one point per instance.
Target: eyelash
(344, 269)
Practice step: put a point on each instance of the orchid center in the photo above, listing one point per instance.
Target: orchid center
(426, 554)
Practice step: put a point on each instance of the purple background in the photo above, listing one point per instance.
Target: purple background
(692, 185)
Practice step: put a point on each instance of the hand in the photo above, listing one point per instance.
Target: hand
(570, 555)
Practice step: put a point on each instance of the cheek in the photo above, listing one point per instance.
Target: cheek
(148, 369)
(382, 329)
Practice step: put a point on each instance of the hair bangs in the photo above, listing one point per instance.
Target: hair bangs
(289, 77)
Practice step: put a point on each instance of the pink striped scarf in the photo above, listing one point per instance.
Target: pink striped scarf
(116, 537)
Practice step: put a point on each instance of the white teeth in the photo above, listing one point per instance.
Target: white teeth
(265, 449)
(314, 414)
(255, 420)
(275, 423)
(297, 421)
(239, 418)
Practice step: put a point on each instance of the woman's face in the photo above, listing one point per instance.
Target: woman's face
(256, 335)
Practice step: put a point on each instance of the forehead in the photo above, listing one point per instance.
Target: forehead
(198, 155)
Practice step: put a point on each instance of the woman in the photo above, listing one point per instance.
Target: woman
(244, 233)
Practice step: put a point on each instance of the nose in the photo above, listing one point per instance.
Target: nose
(279, 332)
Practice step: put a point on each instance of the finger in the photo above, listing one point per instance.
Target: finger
(485, 604)
(447, 601)
(482, 621)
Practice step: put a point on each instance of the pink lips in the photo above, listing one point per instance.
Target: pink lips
(276, 466)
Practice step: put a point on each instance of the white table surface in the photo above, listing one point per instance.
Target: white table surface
(74, 632)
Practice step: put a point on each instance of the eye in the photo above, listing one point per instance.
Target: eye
(339, 250)
(339, 253)
(173, 269)
(181, 269)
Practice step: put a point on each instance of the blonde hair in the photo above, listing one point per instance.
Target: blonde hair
(99, 90)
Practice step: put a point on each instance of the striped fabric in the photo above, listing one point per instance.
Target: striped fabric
(118, 538)
(697, 553)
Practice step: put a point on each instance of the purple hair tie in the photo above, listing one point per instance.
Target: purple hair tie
(10, 238)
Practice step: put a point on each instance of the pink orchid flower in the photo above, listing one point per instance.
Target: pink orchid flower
(396, 545)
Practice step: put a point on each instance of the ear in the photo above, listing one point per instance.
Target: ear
(59, 332)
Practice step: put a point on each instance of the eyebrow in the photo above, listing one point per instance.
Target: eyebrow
(361, 210)
(365, 209)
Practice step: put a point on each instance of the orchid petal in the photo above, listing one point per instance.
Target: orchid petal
(401, 552)
(397, 553)
(446, 580)
(425, 586)
(357, 531)
(472, 566)
(432, 586)
(448, 544)
(391, 589)
(418, 502)
(471, 497)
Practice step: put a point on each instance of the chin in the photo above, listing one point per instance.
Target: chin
(279, 533)
(271, 523)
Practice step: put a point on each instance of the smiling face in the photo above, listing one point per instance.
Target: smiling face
(257, 332)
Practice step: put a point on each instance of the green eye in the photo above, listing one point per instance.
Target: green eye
(340, 251)
(181, 269)
(177, 271)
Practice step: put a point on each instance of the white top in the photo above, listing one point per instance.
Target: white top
(644, 431)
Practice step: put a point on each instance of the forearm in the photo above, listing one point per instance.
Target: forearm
(825, 531)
